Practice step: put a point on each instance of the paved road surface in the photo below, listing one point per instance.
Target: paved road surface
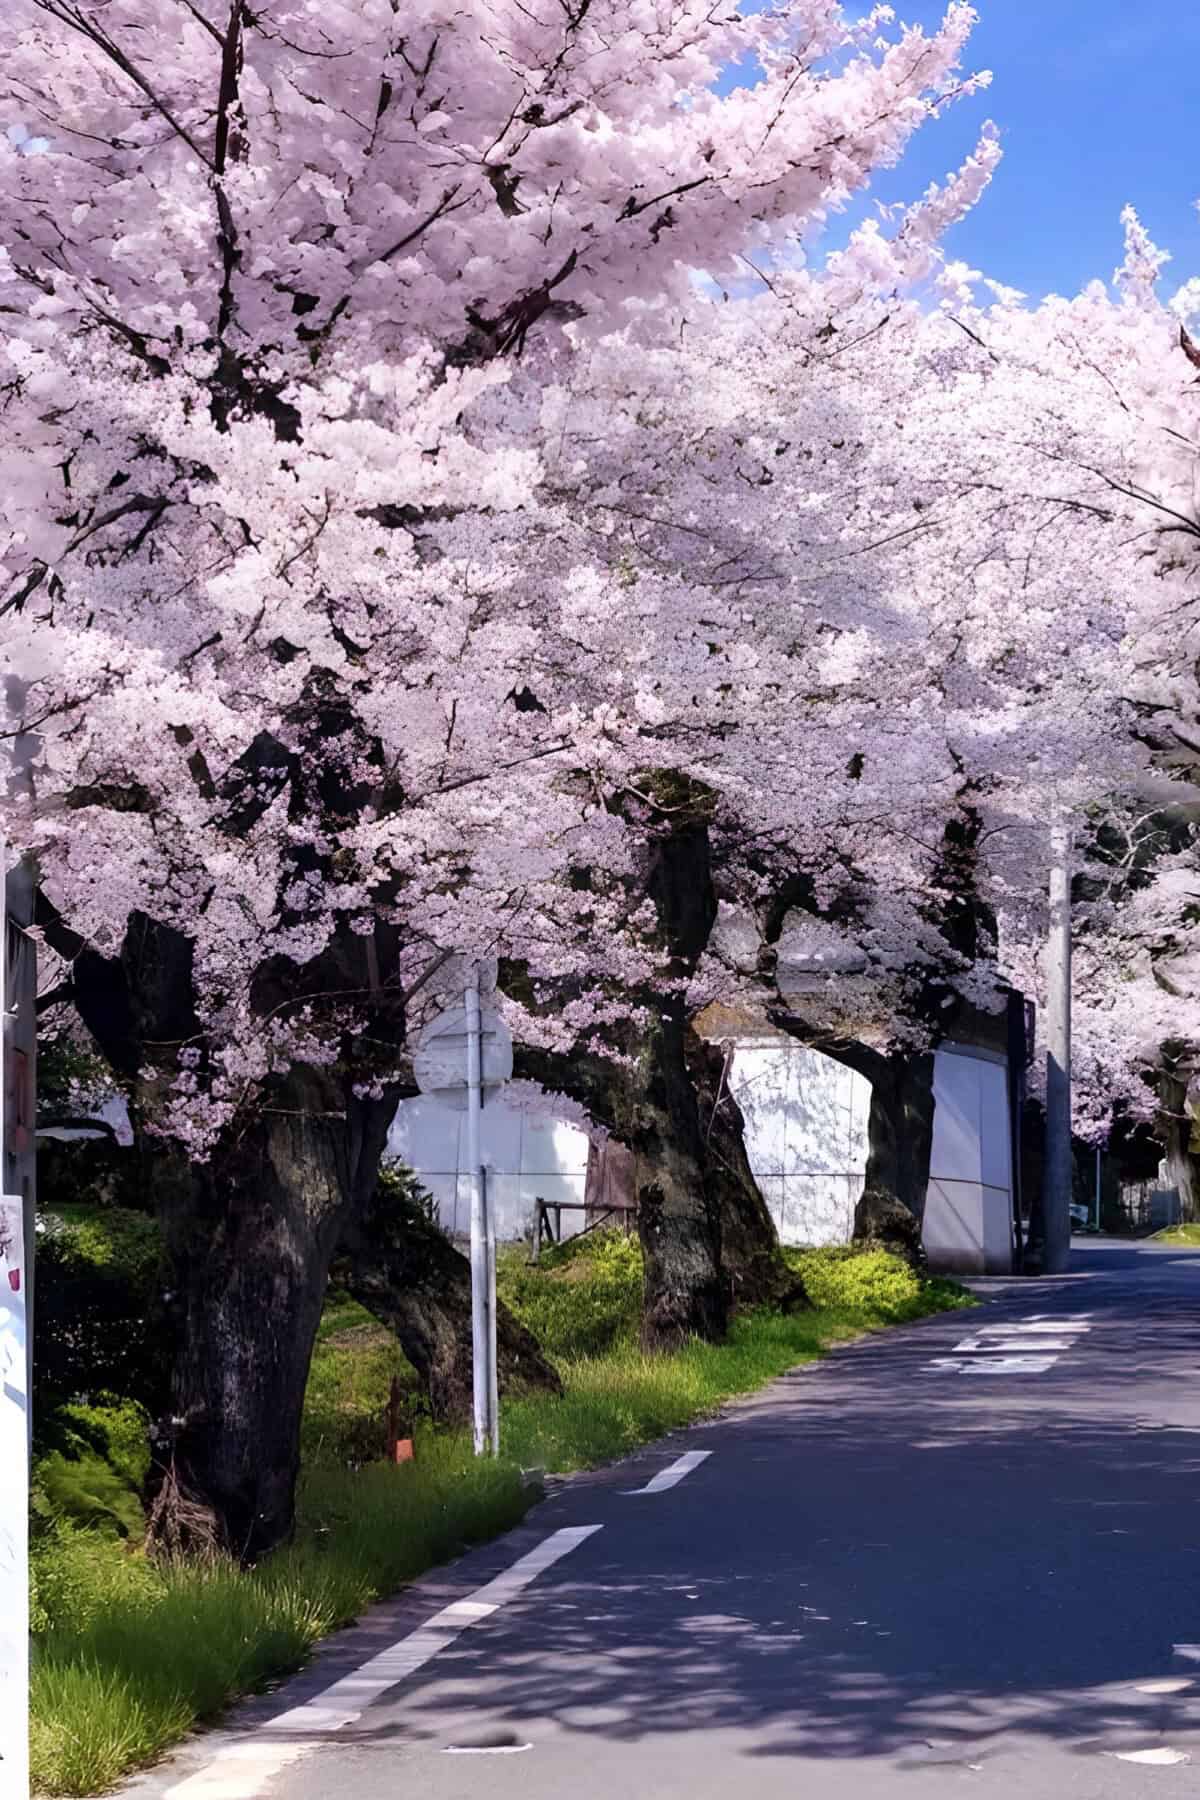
(916, 1569)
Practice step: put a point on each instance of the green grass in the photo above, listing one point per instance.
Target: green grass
(128, 1658)
(353, 1366)
(1187, 1236)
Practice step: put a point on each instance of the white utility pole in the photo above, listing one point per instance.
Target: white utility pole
(461, 1057)
(15, 1256)
(489, 1208)
(483, 1314)
(1056, 1178)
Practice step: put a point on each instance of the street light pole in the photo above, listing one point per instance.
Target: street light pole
(1056, 1180)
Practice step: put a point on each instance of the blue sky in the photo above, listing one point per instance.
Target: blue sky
(1098, 103)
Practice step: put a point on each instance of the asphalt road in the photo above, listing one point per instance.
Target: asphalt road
(910, 1569)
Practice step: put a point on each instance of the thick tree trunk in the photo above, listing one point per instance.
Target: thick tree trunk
(248, 1234)
(402, 1268)
(1177, 1141)
(751, 1258)
(900, 1129)
(248, 1238)
(685, 1292)
(678, 1133)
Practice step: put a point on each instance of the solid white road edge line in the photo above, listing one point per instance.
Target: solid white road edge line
(241, 1766)
(667, 1478)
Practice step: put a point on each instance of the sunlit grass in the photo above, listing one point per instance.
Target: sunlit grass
(1186, 1236)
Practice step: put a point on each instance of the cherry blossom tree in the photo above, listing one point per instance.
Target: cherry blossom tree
(272, 509)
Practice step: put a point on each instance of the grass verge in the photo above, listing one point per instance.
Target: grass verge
(1186, 1236)
(129, 1658)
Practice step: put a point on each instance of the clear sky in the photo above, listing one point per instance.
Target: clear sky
(1098, 103)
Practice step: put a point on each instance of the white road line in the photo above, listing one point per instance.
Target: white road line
(242, 1765)
(1023, 1347)
(996, 1365)
(667, 1478)
(1035, 1328)
(1155, 1753)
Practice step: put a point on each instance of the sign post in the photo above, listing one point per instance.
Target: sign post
(461, 1057)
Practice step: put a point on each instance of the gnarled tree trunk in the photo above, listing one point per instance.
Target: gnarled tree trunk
(248, 1234)
(248, 1237)
(406, 1272)
(705, 1231)
(751, 1258)
(679, 1222)
(1177, 1127)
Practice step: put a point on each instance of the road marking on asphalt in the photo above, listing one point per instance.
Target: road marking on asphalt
(670, 1477)
(1157, 1753)
(242, 1766)
(1023, 1347)
(1174, 1684)
(485, 1749)
(995, 1365)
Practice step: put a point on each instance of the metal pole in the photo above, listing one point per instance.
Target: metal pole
(1098, 1156)
(14, 1429)
(493, 1359)
(480, 1380)
(1056, 1203)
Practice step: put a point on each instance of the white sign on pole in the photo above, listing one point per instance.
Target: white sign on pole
(14, 1503)
(440, 1058)
(460, 1058)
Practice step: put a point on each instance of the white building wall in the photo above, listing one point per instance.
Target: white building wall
(526, 1158)
(806, 1136)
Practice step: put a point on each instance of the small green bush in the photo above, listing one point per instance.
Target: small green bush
(93, 1464)
(354, 1363)
(97, 1273)
(76, 1575)
(871, 1283)
(582, 1298)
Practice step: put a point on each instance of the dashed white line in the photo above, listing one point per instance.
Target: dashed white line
(485, 1749)
(242, 1765)
(669, 1477)
(1156, 1753)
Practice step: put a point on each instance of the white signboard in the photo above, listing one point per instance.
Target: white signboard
(14, 1504)
(440, 1059)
